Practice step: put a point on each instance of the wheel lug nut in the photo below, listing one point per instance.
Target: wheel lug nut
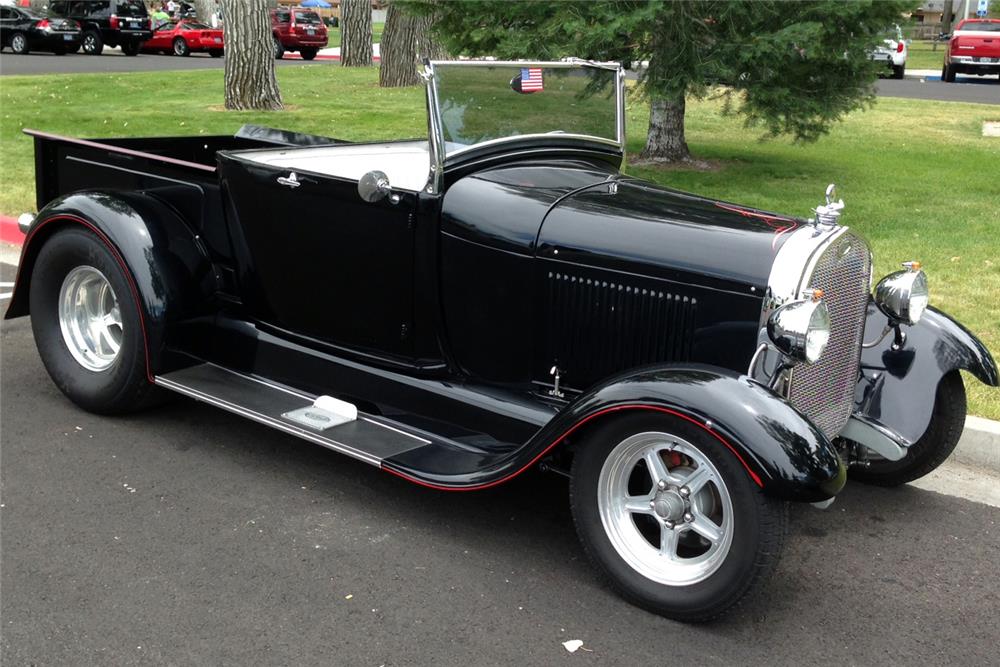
(688, 517)
(684, 491)
(652, 504)
(661, 485)
(669, 524)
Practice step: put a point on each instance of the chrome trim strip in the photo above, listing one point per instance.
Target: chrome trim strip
(435, 131)
(269, 421)
(397, 430)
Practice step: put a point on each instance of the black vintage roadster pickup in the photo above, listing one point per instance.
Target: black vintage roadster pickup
(495, 297)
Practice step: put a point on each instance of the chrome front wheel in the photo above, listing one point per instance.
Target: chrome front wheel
(90, 318)
(671, 517)
(665, 508)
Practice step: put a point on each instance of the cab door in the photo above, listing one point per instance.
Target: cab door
(315, 259)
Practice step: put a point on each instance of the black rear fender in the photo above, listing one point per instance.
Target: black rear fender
(168, 267)
(781, 450)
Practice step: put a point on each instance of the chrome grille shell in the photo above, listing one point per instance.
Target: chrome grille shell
(824, 390)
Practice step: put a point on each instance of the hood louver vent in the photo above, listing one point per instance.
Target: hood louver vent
(598, 327)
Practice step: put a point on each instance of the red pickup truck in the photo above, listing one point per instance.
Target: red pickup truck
(974, 49)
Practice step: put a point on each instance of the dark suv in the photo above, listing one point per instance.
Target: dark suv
(123, 23)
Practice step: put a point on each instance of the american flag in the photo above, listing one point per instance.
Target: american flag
(531, 79)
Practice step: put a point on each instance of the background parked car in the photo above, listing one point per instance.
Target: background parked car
(181, 38)
(299, 30)
(974, 49)
(894, 53)
(123, 23)
(25, 30)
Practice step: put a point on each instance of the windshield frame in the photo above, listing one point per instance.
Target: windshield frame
(439, 156)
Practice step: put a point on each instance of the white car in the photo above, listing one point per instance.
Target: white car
(894, 52)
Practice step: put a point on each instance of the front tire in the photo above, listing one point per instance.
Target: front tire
(216, 53)
(670, 517)
(279, 49)
(87, 325)
(131, 48)
(933, 447)
(92, 43)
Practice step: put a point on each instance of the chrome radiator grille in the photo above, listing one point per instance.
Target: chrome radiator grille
(824, 391)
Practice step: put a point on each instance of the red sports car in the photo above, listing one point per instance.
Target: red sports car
(183, 37)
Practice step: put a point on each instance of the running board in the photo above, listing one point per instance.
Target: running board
(364, 437)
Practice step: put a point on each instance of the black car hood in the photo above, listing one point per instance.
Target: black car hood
(637, 227)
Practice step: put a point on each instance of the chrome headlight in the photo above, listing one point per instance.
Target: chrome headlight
(801, 329)
(903, 295)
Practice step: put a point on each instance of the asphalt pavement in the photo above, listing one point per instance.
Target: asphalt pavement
(113, 60)
(186, 535)
(985, 91)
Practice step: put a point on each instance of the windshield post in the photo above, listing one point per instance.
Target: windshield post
(435, 132)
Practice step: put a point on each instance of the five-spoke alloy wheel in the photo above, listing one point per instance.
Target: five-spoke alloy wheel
(90, 318)
(670, 516)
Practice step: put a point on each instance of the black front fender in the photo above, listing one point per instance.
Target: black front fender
(168, 267)
(896, 388)
(781, 450)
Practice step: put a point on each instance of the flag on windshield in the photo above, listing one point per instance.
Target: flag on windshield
(531, 79)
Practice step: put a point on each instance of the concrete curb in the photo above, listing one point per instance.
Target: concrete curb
(980, 444)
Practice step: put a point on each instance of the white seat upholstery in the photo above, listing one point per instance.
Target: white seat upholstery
(407, 164)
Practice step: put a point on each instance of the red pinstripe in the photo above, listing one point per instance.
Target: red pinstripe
(656, 408)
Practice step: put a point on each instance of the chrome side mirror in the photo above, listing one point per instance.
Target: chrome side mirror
(374, 186)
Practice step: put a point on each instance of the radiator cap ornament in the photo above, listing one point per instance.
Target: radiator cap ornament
(829, 213)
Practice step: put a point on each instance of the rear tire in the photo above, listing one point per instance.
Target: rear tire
(279, 49)
(19, 43)
(77, 284)
(690, 554)
(308, 54)
(898, 71)
(933, 447)
(181, 47)
(92, 43)
(948, 74)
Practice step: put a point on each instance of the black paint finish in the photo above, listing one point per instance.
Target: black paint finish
(445, 312)
(896, 387)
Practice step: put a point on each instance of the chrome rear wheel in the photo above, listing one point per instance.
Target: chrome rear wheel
(90, 318)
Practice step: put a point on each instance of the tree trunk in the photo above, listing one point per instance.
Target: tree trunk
(250, 80)
(665, 140)
(205, 9)
(406, 41)
(356, 33)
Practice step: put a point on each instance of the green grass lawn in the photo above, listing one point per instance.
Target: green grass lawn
(334, 34)
(918, 176)
(921, 55)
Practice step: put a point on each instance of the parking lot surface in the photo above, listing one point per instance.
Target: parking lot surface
(185, 535)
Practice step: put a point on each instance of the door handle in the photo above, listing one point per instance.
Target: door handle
(291, 181)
